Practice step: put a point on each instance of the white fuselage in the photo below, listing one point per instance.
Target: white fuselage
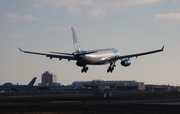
(100, 57)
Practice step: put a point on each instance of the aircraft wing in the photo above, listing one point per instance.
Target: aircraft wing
(136, 55)
(68, 57)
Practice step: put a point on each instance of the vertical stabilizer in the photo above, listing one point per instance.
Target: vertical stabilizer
(31, 83)
(76, 43)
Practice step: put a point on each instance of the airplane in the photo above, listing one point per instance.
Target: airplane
(9, 87)
(93, 57)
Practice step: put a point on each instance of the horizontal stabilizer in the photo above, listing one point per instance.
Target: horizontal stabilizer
(84, 52)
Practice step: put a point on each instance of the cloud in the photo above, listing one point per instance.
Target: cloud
(53, 29)
(17, 36)
(67, 3)
(67, 28)
(29, 17)
(168, 16)
(77, 7)
(74, 7)
(94, 8)
(176, 1)
(130, 2)
(98, 12)
(74, 10)
(11, 17)
(64, 29)
(115, 34)
(37, 6)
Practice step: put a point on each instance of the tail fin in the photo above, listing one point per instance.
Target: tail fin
(31, 83)
(76, 43)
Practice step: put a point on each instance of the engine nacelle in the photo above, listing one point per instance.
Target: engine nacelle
(126, 62)
(80, 64)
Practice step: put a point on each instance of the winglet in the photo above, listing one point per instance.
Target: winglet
(163, 48)
(20, 49)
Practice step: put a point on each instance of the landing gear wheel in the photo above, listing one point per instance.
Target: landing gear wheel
(111, 67)
(84, 69)
(111, 70)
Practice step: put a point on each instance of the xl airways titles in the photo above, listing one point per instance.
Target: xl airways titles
(93, 57)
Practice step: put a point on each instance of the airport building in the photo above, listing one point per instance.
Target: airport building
(49, 79)
(151, 87)
(49, 83)
(112, 85)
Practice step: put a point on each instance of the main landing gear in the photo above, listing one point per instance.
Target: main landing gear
(111, 67)
(84, 69)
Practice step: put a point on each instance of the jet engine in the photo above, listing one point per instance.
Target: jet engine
(79, 64)
(126, 62)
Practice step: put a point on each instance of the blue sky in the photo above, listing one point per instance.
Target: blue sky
(131, 26)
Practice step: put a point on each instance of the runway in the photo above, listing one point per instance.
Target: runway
(86, 103)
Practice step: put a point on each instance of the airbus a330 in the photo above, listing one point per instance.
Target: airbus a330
(93, 57)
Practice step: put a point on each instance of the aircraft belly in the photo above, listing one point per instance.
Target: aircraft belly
(89, 60)
(97, 59)
(94, 61)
